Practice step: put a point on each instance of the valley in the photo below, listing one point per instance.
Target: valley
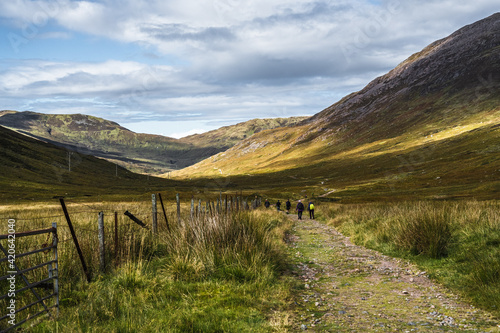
(404, 174)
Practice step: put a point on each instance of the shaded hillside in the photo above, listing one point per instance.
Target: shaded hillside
(428, 128)
(102, 138)
(35, 169)
(137, 152)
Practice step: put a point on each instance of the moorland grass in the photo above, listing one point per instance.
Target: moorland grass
(457, 243)
(208, 274)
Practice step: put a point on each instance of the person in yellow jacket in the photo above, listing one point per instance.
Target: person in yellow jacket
(310, 208)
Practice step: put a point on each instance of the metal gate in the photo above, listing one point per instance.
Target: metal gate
(43, 291)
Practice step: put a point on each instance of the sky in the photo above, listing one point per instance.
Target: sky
(181, 67)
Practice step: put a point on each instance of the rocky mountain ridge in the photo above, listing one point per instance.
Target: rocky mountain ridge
(466, 61)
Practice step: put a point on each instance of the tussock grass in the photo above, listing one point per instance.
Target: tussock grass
(208, 274)
(456, 242)
(239, 247)
(423, 230)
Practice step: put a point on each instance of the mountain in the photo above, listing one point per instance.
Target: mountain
(35, 169)
(137, 152)
(227, 136)
(428, 128)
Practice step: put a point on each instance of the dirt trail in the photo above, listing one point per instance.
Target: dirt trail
(348, 288)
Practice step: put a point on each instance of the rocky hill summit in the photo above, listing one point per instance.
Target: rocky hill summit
(466, 62)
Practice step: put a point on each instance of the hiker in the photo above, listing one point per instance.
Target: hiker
(300, 209)
(278, 205)
(310, 208)
(288, 206)
(267, 204)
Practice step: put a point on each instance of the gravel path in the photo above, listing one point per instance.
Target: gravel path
(348, 288)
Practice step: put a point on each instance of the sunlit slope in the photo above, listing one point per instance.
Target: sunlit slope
(227, 136)
(430, 127)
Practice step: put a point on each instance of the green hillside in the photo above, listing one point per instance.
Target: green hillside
(143, 153)
(430, 128)
(32, 169)
(227, 136)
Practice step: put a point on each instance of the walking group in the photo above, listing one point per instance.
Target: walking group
(300, 208)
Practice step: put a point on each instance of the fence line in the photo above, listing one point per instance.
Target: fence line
(199, 212)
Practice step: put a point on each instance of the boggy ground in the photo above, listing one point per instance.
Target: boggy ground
(348, 288)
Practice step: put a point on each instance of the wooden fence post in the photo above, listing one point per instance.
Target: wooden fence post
(164, 212)
(155, 214)
(135, 219)
(225, 204)
(178, 209)
(102, 249)
(116, 239)
(75, 240)
(192, 208)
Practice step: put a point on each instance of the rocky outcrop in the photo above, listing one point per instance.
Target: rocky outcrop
(469, 59)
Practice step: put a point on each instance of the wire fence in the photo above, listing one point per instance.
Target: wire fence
(94, 238)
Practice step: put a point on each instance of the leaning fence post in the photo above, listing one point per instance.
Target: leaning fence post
(75, 240)
(102, 249)
(135, 219)
(155, 214)
(164, 212)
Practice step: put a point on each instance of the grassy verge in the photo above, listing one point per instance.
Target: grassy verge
(455, 242)
(208, 274)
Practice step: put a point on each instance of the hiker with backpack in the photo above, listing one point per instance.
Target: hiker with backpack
(310, 208)
(300, 209)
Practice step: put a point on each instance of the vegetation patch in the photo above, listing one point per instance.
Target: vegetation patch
(455, 242)
(216, 273)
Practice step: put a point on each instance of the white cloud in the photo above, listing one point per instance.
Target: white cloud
(179, 135)
(238, 60)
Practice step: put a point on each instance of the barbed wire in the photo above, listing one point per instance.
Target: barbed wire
(37, 218)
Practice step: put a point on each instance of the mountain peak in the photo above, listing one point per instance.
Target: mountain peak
(461, 61)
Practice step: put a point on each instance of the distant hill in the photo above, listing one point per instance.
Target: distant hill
(32, 169)
(430, 128)
(145, 153)
(227, 136)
